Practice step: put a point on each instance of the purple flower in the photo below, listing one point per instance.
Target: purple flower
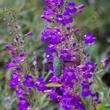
(54, 38)
(71, 4)
(15, 80)
(105, 62)
(19, 68)
(59, 18)
(65, 55)
(89, 39)
(77, 29)
(49, 57)
(23, 103)
(50, 67)
(20, 91)
(10, 48)
(10, 65)
(46, 34)
(71, 8)
(53, 94)
(67, 19)
(64, 19)
(18, 59)
(94, 108)
(41, 84)
(77, 102)
(51, 48)
(68, 78)
(54, 78)
(29, 34)
(47, 17)
(22, 54)
(86, 91)
(80, 8)
(88, 67)
(70, 100)
(87, 75)
(97, 100)
(28, 81)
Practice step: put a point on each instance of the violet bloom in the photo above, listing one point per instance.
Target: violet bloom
(50, 57)
(105, 62)
(53, 94)
(77, 30)
(67, 19)
(29, 34)
(64, 19)
(22, 54)
(65, 55)
(86, 91)
(89, 39)
(54, 79)
(20, 91)
(46, 34)
(51, 48)
(71, 100)
(68, 79)
(88, 67)
(47, 16)
(71, 8)
(23, 103)
(11, 49)
(15, 80)
(10, 65)
(28, 81)
(80, 8)
(41, 84)
(59, 18)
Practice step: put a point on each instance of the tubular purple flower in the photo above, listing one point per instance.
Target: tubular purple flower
(80, 8)
(15, 80)
(105, 62)
(41, 84)
(89, 39)
(28, 34)
(23, 103)
(28, 81)
(71, 9)
(20, 91)
(49, 57)
(54, 79)
(51, 48)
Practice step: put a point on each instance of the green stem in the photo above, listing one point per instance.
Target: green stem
(86, 105)
(101, 87)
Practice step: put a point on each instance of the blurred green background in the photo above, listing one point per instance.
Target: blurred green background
(95, 19)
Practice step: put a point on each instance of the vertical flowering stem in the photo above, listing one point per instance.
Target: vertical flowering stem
(67, 58)
(21, 79)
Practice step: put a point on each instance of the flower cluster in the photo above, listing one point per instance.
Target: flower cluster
(20, 80)
(68, 63)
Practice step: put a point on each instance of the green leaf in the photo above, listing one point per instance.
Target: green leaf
(57, 65)
(107, 106)
(53, 85)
